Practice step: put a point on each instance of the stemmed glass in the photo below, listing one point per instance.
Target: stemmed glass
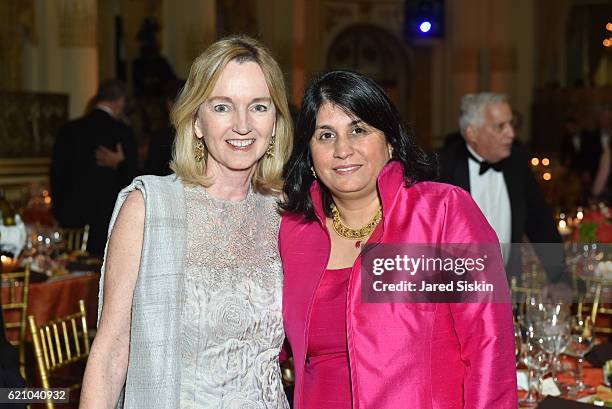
(518, 342)
(554, 330)
(537, 361)
(530, 314)
(582, 336)
(57, 242)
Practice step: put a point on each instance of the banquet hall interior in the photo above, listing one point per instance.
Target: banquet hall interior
(551, 58)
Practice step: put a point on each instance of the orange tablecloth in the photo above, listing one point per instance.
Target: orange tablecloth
(56, 298)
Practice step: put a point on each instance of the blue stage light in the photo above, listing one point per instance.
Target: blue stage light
(425, 26)
(423, 19)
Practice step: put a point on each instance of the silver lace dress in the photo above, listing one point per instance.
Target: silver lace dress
(231, 323)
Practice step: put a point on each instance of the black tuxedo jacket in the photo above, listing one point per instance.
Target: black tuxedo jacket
(591, 151)
(529, 212)
(83, 192)
(572, 158)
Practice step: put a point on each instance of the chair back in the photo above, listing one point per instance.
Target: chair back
(520, 294)
(15, 307)
(60, 343)
(595, 301)
(76, 239)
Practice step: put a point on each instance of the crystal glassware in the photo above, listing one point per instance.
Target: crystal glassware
(537, 361)
(581, 341)
(554, 329)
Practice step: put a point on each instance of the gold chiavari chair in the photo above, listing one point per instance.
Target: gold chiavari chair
(60, 343)
(15, 309)
(519, 294)
(521, 297)
(592, 303)
(76, 239)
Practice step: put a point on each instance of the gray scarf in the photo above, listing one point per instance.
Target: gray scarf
(153, 374)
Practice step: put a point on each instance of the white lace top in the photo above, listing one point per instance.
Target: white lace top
(231, 323)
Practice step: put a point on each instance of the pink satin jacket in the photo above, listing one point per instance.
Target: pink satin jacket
(418, 356)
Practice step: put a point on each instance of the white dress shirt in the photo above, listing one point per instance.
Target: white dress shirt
(604, 137)
(490, 193)
(105, 109)
(576, 142)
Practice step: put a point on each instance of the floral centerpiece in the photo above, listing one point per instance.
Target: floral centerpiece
(595, 227)
(12, 241)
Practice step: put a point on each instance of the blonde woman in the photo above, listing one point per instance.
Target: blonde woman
(191, 287)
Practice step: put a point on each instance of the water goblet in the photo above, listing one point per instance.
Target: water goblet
(581, 341)
(537, 361)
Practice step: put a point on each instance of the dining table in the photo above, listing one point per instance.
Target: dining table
(593, 378)
(57, 297)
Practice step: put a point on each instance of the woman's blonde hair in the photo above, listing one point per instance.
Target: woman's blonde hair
(204, 73)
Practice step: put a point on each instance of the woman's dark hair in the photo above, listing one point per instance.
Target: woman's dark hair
(360, 96)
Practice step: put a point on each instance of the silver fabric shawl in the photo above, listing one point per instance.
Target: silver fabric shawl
(153, 374)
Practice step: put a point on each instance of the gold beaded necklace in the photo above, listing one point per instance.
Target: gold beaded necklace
(354, 234)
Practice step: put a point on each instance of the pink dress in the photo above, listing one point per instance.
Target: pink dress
(327, 381)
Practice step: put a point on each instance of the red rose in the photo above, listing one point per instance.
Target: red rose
(604, 233)
(595, 217)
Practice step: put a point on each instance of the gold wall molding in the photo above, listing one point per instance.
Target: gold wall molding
(29, 123)
(17, 23)
(78, 22)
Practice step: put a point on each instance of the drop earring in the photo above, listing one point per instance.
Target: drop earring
(199, 151)
(270, 150)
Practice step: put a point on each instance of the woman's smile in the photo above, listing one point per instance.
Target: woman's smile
(346, 169)
(241, 144)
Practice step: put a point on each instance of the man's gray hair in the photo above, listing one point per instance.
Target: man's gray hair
(473, 108)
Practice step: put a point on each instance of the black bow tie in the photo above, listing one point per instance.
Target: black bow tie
(484, 165)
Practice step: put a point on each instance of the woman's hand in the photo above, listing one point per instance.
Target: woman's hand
(108, 360)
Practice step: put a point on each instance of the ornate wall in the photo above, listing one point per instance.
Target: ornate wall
(511, 46)
(63, 56)
(487, 46)
(17, 24)
(189, 27)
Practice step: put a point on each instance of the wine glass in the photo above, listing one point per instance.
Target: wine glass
(554, 329)
(534, 313)
(537, 361)
(554, 339)
(581, 341)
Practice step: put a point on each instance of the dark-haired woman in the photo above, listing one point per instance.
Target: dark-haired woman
(355, 176)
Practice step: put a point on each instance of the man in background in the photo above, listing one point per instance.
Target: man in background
(573, 158)
(94, 157)
(490, 164)
(600, 142)
(162, 141)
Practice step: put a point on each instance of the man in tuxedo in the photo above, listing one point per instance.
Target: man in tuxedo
(490, 164)
(599, 154)
(598, 140)
(94, 157)
(573, 157)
